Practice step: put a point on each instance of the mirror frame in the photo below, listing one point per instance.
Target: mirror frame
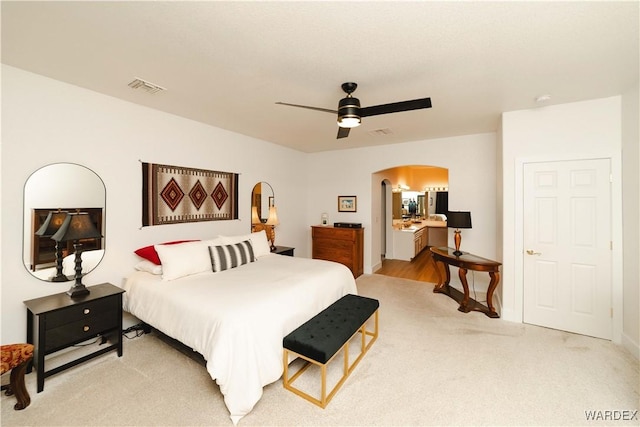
(68, 186)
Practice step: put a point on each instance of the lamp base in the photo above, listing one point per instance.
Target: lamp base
(59, 278)
(77, 291)
(457, 253)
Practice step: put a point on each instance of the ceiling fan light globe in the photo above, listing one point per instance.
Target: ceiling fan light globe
(348, 122)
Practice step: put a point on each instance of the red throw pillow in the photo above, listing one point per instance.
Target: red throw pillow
(149, 252)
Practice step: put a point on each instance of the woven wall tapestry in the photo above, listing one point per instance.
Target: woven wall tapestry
(174, 194)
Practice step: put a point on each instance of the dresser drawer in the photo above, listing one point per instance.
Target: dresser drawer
(334, 234)
(80, 330)
(80, 311)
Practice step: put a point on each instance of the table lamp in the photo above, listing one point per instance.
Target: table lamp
(49, 227)
(458, 220)
(272, 221)
(77, 226)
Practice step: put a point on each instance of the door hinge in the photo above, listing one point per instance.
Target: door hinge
(611, 244)
(611, 312)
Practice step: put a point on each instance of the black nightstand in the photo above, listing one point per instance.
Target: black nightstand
(284, 250)
(56, 322)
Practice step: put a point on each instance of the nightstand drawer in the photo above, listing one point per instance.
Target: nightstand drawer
(81, 330)
(86, 310)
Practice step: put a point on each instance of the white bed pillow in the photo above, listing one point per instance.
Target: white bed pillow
(225, 257)
(258, 239)
(183, 259)
(149, 267)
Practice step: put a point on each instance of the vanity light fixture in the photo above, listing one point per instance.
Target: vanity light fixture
(77, 226)
(458, 220)
(400, 188)
(49, 227)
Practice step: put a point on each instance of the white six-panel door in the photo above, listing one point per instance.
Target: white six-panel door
(567, 246)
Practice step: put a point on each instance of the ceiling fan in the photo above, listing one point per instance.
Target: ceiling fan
(349, 111)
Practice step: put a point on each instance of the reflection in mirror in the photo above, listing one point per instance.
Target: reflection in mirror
(50, 194)
(262, 198)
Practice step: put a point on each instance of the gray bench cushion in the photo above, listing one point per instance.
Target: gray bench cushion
(324, 334)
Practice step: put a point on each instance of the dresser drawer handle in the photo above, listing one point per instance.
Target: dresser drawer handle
(87, 311)
(85, 328)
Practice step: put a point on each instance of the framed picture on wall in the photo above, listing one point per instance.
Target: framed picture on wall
(347, 203)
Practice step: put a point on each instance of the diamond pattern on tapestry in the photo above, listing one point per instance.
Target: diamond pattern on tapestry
(198, 195)
(219, 195)
(172, 194)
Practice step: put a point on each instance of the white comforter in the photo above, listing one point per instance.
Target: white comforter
(237, 318)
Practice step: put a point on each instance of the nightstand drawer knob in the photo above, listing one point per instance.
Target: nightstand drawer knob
(87, 311)
(85, 328)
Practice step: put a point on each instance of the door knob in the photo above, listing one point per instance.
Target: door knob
(532, 252)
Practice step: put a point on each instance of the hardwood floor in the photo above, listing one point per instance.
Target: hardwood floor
(420, 268)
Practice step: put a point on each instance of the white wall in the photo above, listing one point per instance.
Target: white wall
(45, 121)
(590, 129)
(472, 186)
(631, 219)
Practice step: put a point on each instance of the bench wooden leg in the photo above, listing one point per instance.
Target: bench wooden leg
(17, 386)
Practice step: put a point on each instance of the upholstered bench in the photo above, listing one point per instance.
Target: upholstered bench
(322, 337)
(16, 357)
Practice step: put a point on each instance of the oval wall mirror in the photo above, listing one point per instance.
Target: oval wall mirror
(261, 199)
(51, 194)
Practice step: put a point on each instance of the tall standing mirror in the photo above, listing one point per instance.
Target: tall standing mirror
(51, 194)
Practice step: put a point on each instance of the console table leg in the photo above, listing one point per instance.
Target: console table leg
(441, 287)
(464, 304)
(495, 278)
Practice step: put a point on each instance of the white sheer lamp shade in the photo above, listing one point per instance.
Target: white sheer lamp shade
(255, 219)
(273, 216)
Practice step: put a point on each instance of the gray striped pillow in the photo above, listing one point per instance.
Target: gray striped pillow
(224, 257)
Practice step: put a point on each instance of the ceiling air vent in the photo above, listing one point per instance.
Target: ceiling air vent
(146, 86)
(380, 132)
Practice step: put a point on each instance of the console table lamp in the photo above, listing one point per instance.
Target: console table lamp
(77, 226)
(49, 227)
(458, 220)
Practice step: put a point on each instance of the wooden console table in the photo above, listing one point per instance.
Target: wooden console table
(464, 262)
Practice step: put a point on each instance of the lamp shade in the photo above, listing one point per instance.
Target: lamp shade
(76, 226)
(255, 219)
(52, 223)
(459, 219)
(273, 216)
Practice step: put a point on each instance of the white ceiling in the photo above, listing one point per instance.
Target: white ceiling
(227, 63)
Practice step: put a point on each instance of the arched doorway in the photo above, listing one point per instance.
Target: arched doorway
(397, 186)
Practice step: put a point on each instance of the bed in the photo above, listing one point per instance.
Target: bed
(237, 317)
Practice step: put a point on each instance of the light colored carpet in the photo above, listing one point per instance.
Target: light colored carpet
(431, 365)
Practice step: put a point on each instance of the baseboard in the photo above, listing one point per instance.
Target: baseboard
(375, 267)
(632, 346)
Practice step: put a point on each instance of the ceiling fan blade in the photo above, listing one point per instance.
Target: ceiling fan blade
(395, 107)
(326, 110)
(343, 132)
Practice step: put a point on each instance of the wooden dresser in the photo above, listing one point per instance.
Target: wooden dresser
(343, 245)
